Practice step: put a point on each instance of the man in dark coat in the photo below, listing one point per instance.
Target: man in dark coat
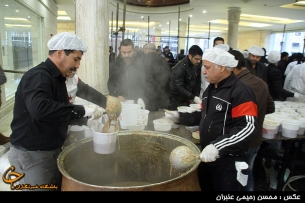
(253, 62)
(265, 106)
(186, 80)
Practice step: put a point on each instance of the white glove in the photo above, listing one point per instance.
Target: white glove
(172, 115)
(197, 100)
(93, 111)
(209, 153)
(94, 124)
(298, 96)
(141, 103)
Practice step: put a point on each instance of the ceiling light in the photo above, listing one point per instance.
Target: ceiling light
(241, 23)
(268, 19)
(204, 11)
(190, 15)
(62, 13)
(300, 2)
(6, 5)
(16, 25)
(20, 19)
(63, 18)
(17, 11)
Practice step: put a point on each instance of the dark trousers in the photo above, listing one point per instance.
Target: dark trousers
(218, 176)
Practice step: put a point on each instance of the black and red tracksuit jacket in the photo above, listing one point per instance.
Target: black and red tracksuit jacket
(228, 117)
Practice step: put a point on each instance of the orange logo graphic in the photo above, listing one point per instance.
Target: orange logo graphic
(10, 177)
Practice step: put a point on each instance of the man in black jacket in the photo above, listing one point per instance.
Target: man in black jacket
(42, 112)
(253, 62)
(186, 80)
(227, 123)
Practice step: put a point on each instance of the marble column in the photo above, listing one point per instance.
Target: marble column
(182, 34)
(158, 38)
(233, 19)
(143, 39)
(92, 25)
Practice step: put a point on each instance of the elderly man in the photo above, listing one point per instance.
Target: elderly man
(227, 123)
(253, 62)
(42, 112)
(158, 73)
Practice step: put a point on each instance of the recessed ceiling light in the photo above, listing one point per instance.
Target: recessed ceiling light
(204, 11)
(16, 25)
(190, 15)
(17, 10)
(63, 18)
(62, 13)
(22, 19)
(6, 5)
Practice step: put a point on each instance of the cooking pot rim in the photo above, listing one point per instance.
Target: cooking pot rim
(67, 150)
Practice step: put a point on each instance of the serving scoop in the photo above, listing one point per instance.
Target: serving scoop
(113, 110)
(183, 157)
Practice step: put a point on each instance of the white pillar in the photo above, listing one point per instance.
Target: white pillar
(143, 39)
(182, 34)
(91, 22)
(233, 19)
(158, 39)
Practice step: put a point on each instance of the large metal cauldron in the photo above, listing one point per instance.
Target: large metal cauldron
(139, 163)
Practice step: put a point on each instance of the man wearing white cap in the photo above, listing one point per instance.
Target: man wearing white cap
(253, 62)
(227, 123)
(42, 113)
(275, 78)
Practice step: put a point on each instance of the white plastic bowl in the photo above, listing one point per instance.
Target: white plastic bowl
(290, 129)
(162, 125)
(196, 107)
(186, 109)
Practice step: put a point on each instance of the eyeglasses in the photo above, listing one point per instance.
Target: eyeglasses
(197, 59)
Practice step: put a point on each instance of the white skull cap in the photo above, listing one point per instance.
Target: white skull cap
(274, 56)
(245, 53)
(220, 57)
(67, 41)
(256, 51)
(223, 47)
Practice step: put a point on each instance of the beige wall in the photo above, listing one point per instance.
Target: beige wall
(66, 27)
(251, 38)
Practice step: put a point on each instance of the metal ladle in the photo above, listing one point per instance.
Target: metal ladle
(182, 158)
(113, 110)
